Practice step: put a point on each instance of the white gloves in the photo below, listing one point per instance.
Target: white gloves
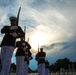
(23, 44)
(24, 48)
(13, 27)
(26, 56)
(14, 34)
(29, 58)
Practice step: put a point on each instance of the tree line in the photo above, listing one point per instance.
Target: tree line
(62, 63)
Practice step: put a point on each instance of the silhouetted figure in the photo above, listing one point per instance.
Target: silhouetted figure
(47, 67)
(8, 43)
(40, 57)
(20, 56)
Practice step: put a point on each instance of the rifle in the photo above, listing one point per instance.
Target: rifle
(18, 19)
(24, 32)
(38, 48)
(18, 16)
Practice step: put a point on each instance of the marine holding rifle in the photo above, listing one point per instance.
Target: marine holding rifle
(21, 56)
(8, 43)
(40, 58)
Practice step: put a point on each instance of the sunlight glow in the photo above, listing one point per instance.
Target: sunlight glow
(38, 39)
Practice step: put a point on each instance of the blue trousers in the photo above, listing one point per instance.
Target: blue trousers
(20, 65)
(41, 69)
(46, 71)
(6, 55)
(25, 68)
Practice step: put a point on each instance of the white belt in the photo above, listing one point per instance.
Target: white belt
(41, 57)
(26, 52)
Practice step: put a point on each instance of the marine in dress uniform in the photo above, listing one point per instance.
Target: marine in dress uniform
(40, 57)
(8, 43)
(20, 55)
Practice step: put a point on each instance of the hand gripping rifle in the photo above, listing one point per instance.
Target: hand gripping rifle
(18, 19)
(29, 53)
(15, 27)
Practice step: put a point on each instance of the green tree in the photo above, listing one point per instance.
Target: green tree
(60, 63)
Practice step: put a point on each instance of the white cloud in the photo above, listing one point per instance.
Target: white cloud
(3, 15)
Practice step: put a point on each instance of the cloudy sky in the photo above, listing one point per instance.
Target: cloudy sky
(51, 24)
